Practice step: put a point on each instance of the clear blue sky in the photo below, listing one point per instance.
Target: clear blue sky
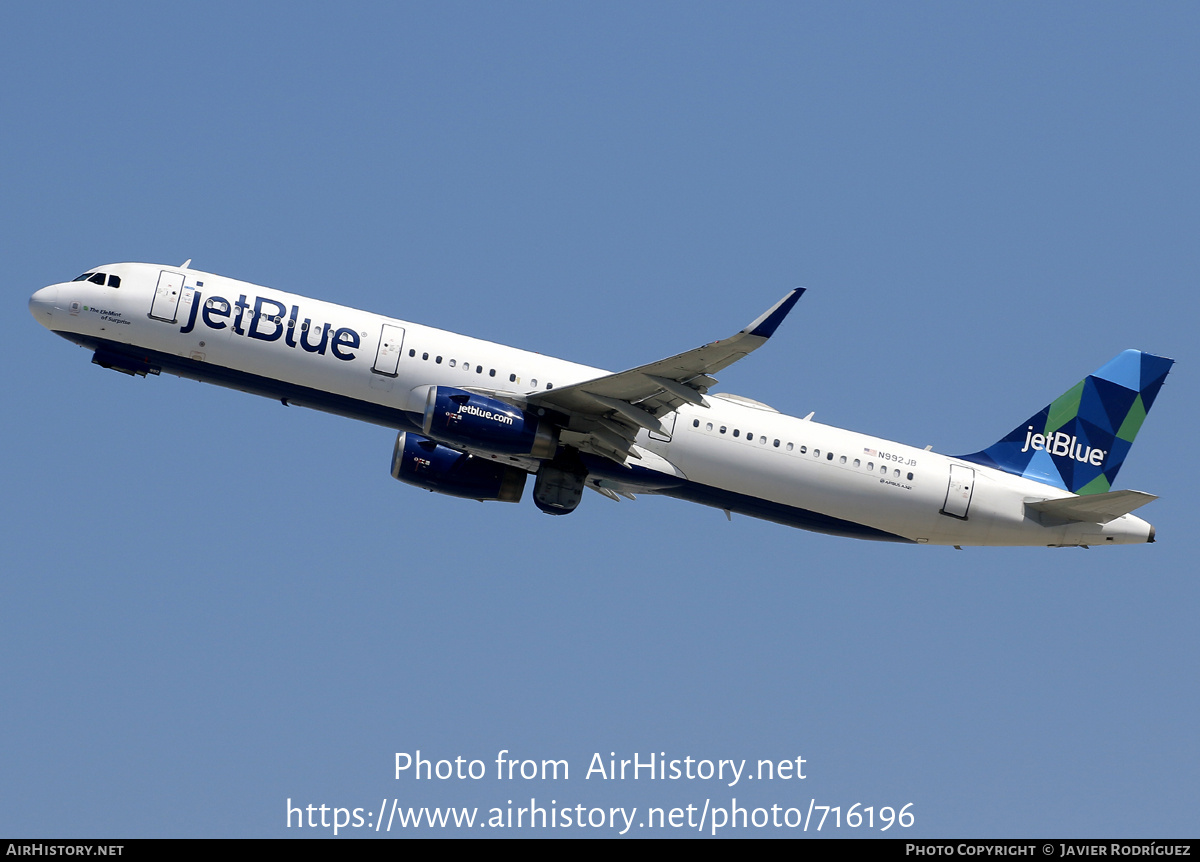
(211, 604)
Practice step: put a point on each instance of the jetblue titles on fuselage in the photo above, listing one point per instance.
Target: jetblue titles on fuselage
(269, 323)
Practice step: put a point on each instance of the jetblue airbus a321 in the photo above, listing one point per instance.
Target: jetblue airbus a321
(475, 419)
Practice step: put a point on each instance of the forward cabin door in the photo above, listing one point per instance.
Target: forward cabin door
(387, 357)
(958, 492)
(166, 296)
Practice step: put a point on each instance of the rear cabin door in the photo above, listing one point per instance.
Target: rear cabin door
(166, 296)
(387, 357)
(958, 493)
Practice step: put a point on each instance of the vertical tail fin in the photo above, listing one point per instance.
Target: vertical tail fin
(1079, 441)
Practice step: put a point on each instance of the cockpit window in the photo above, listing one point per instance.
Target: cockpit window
(98, 278)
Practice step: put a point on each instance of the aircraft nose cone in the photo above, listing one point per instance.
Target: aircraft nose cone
(41, 304)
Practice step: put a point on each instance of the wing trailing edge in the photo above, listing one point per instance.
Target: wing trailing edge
(621, 404)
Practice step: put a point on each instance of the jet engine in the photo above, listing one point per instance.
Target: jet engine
(429, 465)
(478, 422)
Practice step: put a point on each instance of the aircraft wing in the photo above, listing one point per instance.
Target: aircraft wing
(605, 414)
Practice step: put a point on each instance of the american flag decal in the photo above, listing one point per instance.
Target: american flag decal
(870, 452)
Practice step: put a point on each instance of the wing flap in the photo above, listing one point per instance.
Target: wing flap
(635, 399)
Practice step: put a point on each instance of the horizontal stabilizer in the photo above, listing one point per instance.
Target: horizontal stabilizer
(1093, 508)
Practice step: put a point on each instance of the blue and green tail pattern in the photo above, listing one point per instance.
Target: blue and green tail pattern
(1079, 441)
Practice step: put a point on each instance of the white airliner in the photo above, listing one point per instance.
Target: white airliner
(476, 418)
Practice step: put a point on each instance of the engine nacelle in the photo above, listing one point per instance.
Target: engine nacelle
(478, 422)
(434, 467)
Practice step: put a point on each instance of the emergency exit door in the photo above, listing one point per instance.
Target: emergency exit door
(387, 357)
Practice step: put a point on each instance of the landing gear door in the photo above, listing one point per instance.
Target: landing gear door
(387, 357)
(166, 296)
(958, 492)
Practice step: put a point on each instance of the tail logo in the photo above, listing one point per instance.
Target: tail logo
(1079, 441)
(1062, 445)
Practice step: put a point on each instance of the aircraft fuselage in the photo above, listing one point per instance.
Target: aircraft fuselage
(733, 454)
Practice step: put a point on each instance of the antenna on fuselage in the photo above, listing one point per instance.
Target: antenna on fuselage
(186, 263)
